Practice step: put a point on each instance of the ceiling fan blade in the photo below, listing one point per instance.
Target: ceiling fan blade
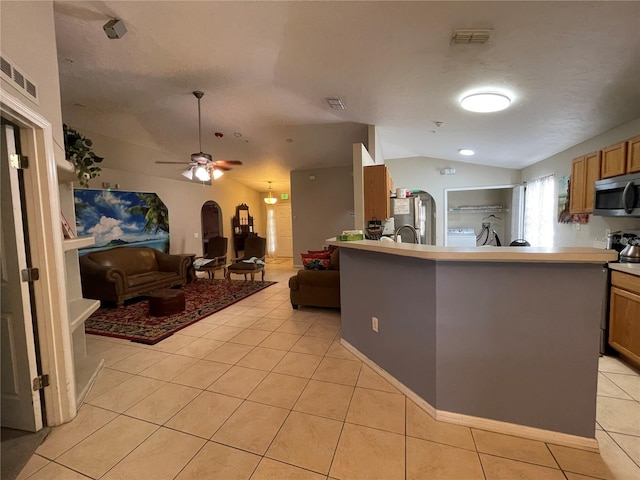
(223, 168)
(174, 163)
(226, 163)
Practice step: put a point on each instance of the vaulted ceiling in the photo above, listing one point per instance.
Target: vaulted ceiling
(266, 68)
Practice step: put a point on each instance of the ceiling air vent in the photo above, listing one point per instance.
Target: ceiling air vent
(15, 77)
(469, 36)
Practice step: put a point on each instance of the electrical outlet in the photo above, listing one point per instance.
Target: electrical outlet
(374, 324)
(195, 235)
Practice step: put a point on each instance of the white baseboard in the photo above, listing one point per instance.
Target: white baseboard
(532, 433)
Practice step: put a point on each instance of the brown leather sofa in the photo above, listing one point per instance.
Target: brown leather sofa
(317, 288)
(121, 273)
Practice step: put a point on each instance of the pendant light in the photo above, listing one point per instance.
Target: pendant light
(270, 199)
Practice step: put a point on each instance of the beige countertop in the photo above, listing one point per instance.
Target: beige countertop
(484, 254)
(631, 268)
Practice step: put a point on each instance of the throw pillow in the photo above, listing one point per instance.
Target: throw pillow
(320, 252)
(312, 261)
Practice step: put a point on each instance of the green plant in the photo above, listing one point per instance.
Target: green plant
(78, 151)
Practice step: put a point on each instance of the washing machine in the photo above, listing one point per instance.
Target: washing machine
(461, 237)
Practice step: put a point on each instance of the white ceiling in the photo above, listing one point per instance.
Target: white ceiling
(267, 67)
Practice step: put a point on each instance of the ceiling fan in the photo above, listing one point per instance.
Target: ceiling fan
(202, 165)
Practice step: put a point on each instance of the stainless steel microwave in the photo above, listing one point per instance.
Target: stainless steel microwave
(618, 196)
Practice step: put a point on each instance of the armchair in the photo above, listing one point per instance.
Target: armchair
(216, 256)
(252, 261)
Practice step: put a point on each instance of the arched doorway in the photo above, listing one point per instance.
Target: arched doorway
(211, 218)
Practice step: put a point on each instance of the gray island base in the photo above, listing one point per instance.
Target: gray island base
(504, 339)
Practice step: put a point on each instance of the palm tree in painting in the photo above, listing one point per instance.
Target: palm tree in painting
(155, 212)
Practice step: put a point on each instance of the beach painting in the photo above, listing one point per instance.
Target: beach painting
(117, 218)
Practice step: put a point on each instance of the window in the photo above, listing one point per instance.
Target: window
(539, 201)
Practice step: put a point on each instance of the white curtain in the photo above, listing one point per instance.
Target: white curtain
(538, 211)
(272, 246)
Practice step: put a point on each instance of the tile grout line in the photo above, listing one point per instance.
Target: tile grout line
(475, 446)
(344, 422)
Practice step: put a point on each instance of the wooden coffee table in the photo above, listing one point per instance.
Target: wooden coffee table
(166, 302)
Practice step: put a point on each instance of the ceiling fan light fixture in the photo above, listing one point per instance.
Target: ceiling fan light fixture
(485, 102)
(188, 173)
(202, 174)
(270, 199)
(217, 173)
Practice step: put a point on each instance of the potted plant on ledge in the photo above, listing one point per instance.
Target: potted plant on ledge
(78, 151)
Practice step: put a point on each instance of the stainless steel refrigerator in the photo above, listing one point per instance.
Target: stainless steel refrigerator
(418, 211)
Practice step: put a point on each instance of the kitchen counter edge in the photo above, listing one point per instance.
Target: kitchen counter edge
(630, 268)
(484, 254)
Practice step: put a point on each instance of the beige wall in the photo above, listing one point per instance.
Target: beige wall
(423, 173)
(592, 233)
(27, 38)
(321, 208)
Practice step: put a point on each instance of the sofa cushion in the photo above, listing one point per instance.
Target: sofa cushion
(147, 278)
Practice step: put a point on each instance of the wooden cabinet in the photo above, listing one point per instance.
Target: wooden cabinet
(377, 188)
(585, 171)
(614, 160)
(624, 315)
(633, 155)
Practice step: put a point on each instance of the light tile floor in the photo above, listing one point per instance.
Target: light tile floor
(260, 391)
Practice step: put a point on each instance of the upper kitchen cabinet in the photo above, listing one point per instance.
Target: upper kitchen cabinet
(585, 171)
(633, 155)
(378, 185)
(614, 160)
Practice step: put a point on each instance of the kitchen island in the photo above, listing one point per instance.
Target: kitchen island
(500, 338)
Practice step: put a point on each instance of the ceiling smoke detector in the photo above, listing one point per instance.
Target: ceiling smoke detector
(471, 36)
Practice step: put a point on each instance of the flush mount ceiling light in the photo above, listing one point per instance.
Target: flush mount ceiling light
(270, 199)
(336, 103)
(466, 151)
(485, 102)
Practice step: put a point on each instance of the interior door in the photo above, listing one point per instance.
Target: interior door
(21, 408)
(284, 231)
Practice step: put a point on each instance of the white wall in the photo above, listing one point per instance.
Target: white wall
(184, 198)
(574, 235)
(423, 173)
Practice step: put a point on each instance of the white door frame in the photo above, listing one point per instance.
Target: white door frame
(42, 204)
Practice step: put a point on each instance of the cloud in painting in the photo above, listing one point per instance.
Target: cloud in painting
(107, 229)
(118, 204)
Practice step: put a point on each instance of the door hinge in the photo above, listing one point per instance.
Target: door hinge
(40, 382)
(30, 274)
(18, 161)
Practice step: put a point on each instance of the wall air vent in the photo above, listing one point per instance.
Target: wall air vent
(471, 36)
(14, 77)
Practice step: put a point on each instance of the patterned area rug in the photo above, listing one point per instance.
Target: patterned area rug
(132, 321)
